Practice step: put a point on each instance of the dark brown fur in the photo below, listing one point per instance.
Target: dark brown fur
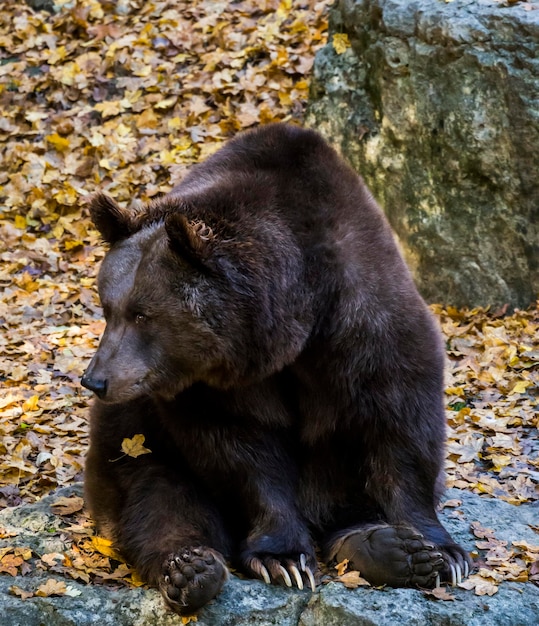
(265, 335)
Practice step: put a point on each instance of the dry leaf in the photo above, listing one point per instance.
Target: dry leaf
(67, 506)
(481, 586)
(341, 43)
(439, 593)
(9, 564)
(21, 593)
(352, 580)
(104, 546)
(342, 567)
(51, 588)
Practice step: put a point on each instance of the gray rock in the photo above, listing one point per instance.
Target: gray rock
(436, 104)
(252, 603)
(41, 5)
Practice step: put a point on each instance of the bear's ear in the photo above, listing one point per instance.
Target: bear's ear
(112, 222)
(191, 239)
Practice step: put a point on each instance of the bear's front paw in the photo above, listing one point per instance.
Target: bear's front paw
(278, 569)
(191, 578)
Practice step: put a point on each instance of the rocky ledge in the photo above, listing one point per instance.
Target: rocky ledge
(251, 603)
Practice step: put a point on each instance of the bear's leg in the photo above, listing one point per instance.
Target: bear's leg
(174, 538)
(278, 548)
(392, 533)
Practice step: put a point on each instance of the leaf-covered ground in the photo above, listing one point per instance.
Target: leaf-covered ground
(124, 96)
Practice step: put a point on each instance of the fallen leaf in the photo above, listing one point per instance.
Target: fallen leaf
(104, 546)
(439, 593)
(341, 43)
(51, 587)
(21, 593)
(353, 580)
(480, 586)
(10, 564)
(67, 506)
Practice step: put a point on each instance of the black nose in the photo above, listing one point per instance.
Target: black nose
(97, 385)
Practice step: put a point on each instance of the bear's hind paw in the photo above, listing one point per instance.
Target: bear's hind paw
(457, 566)
(191, 578)
(397, 556)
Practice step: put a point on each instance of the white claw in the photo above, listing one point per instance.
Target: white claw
(466, 569)
(453, 576)
(302, 562)
(311, 578)
(286, 577)
(297, 576)
(437, 581)
(265, 574)
(459, 574)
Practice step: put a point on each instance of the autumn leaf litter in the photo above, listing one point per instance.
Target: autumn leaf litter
(124, 97)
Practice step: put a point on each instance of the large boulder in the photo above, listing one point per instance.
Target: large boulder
(36, 528)
(436, 104)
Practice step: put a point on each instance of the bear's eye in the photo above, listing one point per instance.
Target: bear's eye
(140, 318)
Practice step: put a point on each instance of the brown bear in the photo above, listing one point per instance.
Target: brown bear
(265, 336)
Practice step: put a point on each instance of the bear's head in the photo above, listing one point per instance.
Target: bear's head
(184, 304)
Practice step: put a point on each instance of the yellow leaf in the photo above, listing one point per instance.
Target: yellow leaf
(175, 123)
(284, 8)
(20, 222)
(30, 404)
(167, 157)
(499, 461)
(188, 619)
(104, 546)
(147, 119)
(340, 42)
(134, 447)
(61, 144)
(167, 103)
(25, 553)
(521, 386)
(109, 108)
(70, 244)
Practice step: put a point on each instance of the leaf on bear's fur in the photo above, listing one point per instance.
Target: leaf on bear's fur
(134, 447)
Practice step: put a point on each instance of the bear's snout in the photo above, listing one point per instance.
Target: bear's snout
(97, 385)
